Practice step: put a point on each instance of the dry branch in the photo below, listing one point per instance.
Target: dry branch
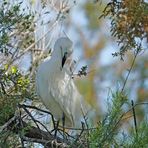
(33, 134)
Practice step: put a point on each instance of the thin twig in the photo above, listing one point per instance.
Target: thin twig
(134, 116)
(78, 137)
(22, 126)
(36, 108)
(84, 116)
(137, 104)
(6, 125)
(32, 134)
(32, 45)
(129, 71)
(34, 120)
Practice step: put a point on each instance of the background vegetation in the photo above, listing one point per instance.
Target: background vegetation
(117, 90)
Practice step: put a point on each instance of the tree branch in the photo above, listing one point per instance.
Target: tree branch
(33, 134)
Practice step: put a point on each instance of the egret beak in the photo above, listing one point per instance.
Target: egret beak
(64, 59)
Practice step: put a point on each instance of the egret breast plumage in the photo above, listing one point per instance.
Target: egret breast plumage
(57, 89)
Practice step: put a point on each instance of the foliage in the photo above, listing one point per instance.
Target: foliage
(107, 129)
(139, 139)
(108, 132)
(13, 26)
(128, 23)
(13, 89)
(16, 30)
(83, 70)
(9, 139)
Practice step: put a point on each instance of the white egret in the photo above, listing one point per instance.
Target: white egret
(56, 88)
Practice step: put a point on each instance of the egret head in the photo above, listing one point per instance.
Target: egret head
(63, 49)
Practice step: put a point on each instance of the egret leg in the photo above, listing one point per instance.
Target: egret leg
(56, 129)
(63, 124)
